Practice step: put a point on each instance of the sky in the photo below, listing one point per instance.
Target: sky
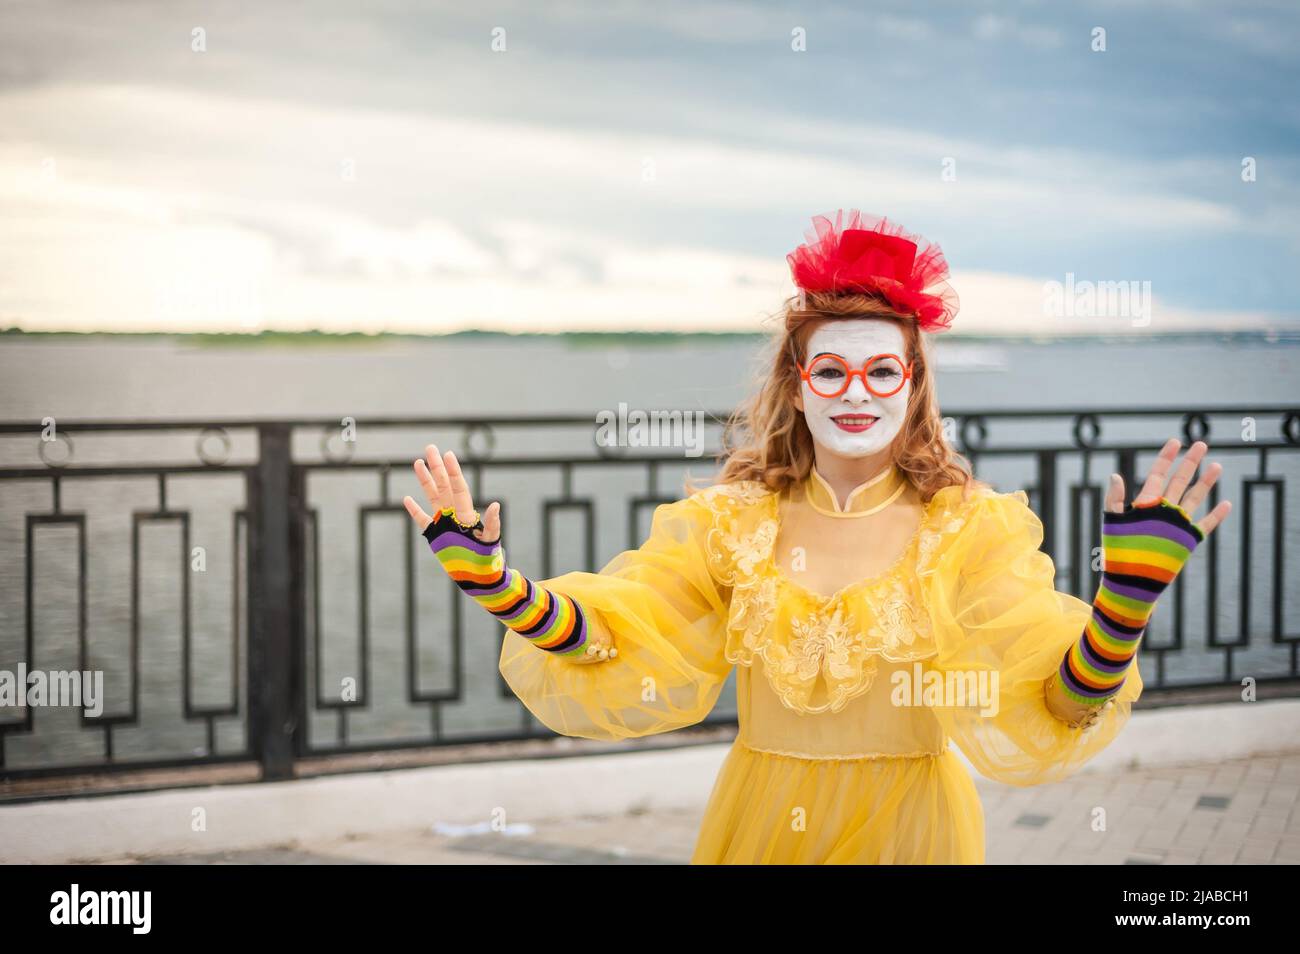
(428, 167)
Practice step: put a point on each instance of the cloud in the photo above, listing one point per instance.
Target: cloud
(993, 303)
(990, 26)
(594, 178)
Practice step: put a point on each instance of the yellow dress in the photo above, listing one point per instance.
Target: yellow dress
(854, 628)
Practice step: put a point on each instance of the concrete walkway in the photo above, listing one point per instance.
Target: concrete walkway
(1243, 811)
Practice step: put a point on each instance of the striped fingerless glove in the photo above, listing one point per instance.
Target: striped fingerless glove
(550, 621)
(1143, 549)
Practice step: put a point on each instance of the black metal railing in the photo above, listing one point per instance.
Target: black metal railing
(326, 648)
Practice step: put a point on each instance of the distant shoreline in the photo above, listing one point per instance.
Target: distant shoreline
(634, 338)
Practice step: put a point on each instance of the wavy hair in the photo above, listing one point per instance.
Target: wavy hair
(766, 439)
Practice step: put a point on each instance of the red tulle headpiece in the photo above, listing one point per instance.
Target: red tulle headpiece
(872, 254)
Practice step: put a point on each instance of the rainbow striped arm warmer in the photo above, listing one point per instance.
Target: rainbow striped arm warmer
(1143, 549)
(550, 621)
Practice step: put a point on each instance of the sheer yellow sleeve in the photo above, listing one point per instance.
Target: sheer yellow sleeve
(667, 617)
(995, 609)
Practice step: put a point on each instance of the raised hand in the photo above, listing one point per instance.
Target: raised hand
(1174, 489)
(1144, 548)
(468, 545)
(445, 486)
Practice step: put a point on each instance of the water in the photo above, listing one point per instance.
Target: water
(150, 378)
(175, 377)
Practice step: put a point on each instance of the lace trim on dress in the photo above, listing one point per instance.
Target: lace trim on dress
(825, 639)
(732, 552)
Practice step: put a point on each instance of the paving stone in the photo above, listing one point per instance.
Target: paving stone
(1248, 798)
(1220, 854)
(1158, 838)
(1194, 836)
(1213, 801)
(1032, 820)
(1281, 797)
(1268, 824)
(1230, 831)
(1255, 850)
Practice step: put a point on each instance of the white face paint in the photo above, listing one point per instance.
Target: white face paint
(855, 340)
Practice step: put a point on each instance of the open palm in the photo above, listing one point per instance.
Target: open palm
(1175, 488)
(445, 486)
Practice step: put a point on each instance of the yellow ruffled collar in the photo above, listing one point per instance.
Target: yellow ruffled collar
(804, 638)
(870, 496)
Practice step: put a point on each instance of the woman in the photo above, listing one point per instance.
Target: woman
(880, 603)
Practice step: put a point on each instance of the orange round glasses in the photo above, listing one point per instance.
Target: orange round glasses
(829, 375)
